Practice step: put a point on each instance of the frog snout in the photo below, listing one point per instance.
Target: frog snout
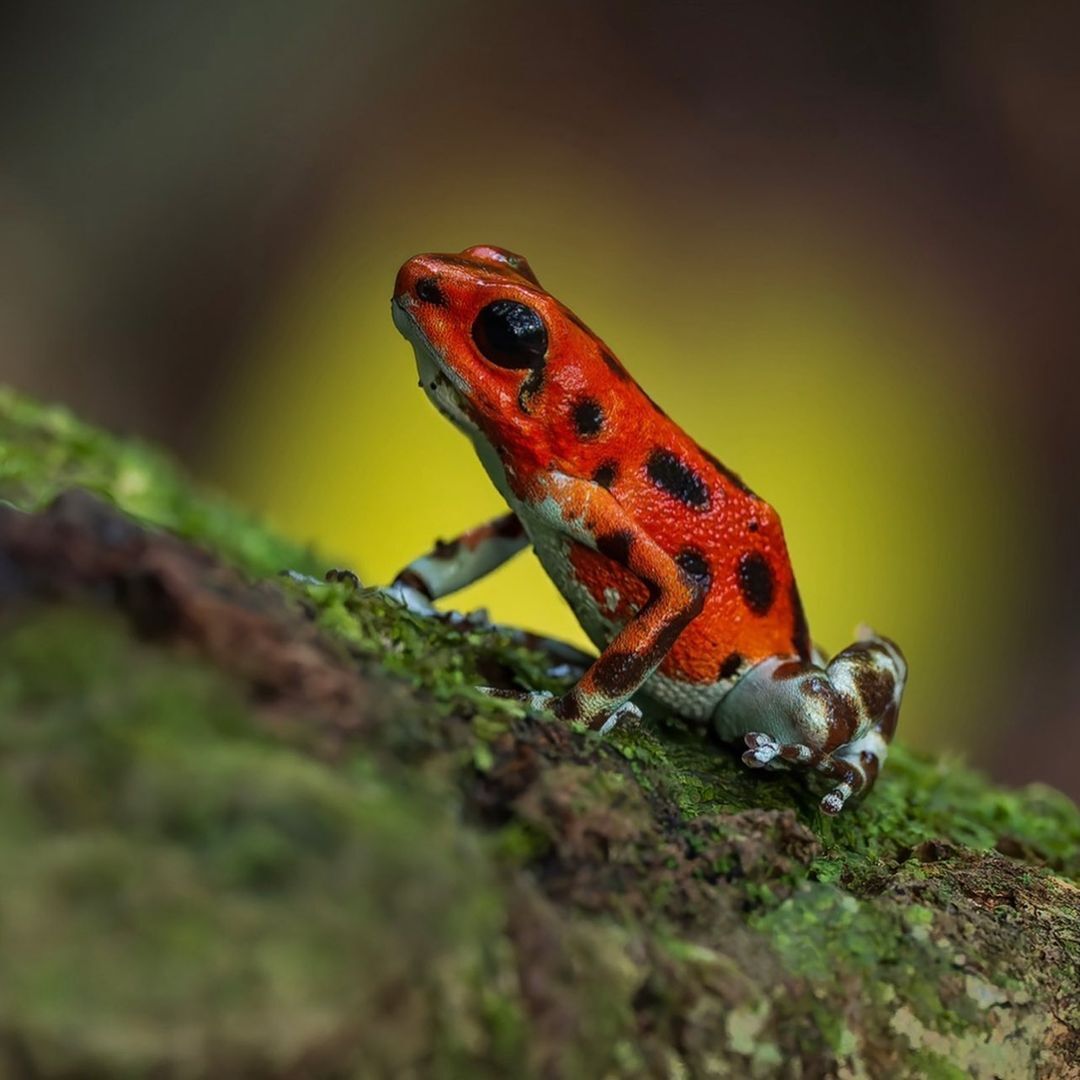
(418, 282)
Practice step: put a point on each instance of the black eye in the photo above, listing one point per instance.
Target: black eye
(511, 335)
(427, 289)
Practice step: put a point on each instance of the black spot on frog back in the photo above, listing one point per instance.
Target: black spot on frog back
(756, 582)
(672, 475)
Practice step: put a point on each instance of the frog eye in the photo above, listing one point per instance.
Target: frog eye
(510, 334)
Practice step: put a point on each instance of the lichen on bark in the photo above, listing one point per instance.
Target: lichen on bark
(254, 826)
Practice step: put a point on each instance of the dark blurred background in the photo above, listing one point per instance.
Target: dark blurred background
(838, 241)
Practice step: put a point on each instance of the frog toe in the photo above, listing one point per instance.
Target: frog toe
(545, 701)
(763, 750)
(833, 802)
(626, 711)
(477, 619)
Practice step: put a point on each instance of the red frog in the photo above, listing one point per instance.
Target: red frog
(675, 569)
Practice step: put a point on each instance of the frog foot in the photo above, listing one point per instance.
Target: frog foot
(417, 602)
(410, 598)
(544, 701)
(833, 802)
(626, 711)
(852, 782)
(764, 751)
(855, 765)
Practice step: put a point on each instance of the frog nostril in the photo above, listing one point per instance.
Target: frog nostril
(427, 289)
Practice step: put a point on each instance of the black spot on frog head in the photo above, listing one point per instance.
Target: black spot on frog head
(533, 384)
(588, 418)
(614, 366)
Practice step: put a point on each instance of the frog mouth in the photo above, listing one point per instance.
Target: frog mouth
(443, 396)
(440, 384)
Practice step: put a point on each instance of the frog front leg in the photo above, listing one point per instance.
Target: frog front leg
(452, 564)
(837, 719)
(585, 513)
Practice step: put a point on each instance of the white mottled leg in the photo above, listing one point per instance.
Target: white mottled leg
(453, 564)
(856, 765)
(837, 720)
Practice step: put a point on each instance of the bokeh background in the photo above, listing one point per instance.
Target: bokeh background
(838, 241)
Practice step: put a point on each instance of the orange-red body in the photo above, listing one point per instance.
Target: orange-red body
(678, 572)
(728, 524)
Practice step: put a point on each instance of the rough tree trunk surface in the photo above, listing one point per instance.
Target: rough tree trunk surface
(251, 828)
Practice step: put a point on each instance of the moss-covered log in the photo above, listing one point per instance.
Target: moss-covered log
(254, 827)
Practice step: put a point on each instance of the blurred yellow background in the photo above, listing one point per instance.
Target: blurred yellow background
(826, 377)
(838, 243)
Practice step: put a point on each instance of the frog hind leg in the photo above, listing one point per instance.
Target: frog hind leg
(836, 719)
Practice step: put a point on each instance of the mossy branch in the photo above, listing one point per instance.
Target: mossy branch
(250, 826)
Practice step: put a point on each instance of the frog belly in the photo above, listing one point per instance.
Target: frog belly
(553, 549)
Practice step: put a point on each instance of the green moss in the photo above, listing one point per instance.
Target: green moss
(933, 1066)
(186, 887)
(175, 886)
(831, 938)
(45, 449)
(921, 801)
(451, 660)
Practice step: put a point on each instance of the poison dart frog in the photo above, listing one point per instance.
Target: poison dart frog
(676, 570)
